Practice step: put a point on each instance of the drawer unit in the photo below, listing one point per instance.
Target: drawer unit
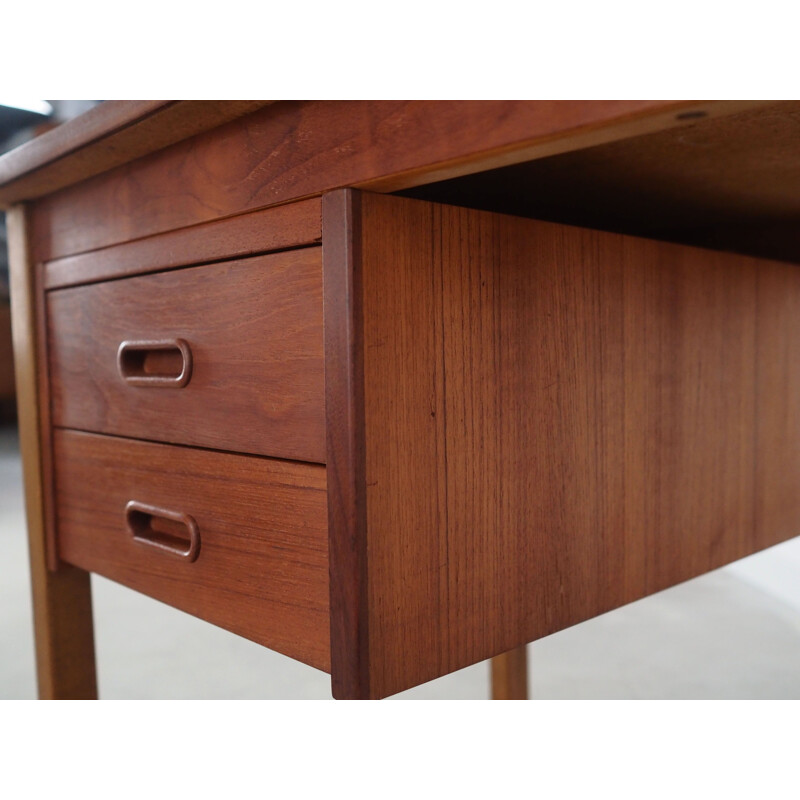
(524, 425)
(240, 541)
(226, 355)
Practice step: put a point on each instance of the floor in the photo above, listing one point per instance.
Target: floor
(734, 633)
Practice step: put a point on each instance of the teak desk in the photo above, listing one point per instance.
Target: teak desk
(319, 372)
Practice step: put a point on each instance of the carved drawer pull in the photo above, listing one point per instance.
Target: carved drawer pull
(169, 531)
(165, 363)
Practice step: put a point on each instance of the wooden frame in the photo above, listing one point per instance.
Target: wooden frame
(62, 601)
(157, 179)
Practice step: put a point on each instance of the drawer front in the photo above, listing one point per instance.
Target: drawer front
(239, 541)
(226, 355)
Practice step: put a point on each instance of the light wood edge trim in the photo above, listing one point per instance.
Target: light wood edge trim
(625, 126)
(25, 332)
(344, 401)
(62, 612)
(106, 137)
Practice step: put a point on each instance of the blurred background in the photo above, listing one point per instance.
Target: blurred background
(734, 633)
(20, 121)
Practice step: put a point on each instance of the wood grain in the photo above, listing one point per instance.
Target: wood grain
(62, 601)
(262, 568)
(45, 412)
(291, 150)
(344, 395)
(254, 327)
(558, 421)
(278, 228)
(110, 134)
(777, 432)
(510, 675)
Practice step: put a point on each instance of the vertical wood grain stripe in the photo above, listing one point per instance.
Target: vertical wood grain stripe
(342, 288)
(559, 421)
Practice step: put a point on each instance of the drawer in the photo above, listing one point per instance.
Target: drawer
(240, 541)
(226, 355)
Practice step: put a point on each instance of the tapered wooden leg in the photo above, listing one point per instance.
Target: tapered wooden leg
(62, 602)
(62, 618)
(510, 675)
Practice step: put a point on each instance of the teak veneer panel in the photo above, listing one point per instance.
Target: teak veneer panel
(556, 422)
(262, 570)
(777, 432)
(295, 225)
(254, 327)
(293, 149)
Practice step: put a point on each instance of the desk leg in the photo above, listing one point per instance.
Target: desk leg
(510, 675)
(62, 602)
(62, 618)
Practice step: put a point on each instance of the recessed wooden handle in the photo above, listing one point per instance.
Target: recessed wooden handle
(168, 531)
(164, 363)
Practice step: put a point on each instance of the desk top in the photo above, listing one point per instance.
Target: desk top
(116, 132)
(725, 174)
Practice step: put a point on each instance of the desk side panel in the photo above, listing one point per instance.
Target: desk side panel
(557, 422)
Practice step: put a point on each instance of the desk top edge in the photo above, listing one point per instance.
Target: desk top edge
(119, 131)
(107, 132)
